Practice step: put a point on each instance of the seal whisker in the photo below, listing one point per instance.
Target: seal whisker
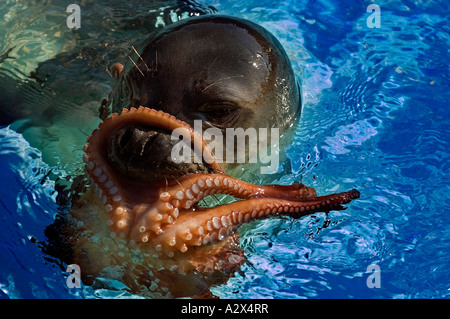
(220, 81)
(210, 66)
(136, 65)
(178, 182)
(140, 58)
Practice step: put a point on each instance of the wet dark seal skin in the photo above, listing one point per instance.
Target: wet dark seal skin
(225, 71)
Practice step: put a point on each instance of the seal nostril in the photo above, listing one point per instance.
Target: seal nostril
(144, 154)
(149, 142)
(131, 146)
(123, 138)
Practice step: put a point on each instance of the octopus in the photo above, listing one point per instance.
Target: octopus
(154, 236)
(141, 221)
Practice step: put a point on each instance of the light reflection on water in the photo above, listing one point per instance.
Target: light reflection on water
(375, 118)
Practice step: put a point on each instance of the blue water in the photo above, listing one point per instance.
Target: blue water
(375, 117)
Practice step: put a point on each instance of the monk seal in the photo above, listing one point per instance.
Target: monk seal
(225, 71)
(140, 220)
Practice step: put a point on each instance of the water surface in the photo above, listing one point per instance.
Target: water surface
(375, 117)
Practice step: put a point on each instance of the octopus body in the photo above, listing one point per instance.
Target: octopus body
(154, 236)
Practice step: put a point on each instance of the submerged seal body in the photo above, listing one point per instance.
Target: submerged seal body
(139, 220)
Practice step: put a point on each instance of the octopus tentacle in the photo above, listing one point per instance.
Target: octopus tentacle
(146, 116)
(109, 187)
(195, 187)
(198, 228)
(163, 216)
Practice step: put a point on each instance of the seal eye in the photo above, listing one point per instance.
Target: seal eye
(222, 112)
